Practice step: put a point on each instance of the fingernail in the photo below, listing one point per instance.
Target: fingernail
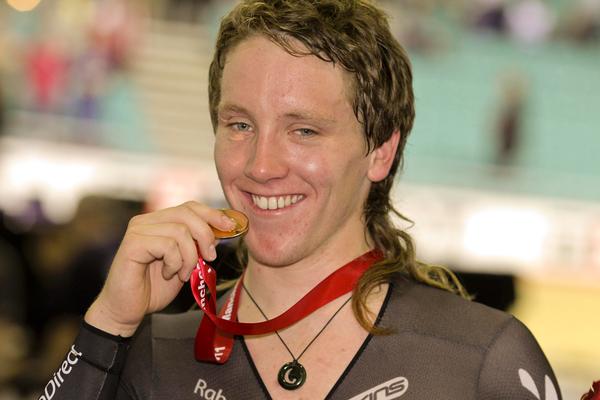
(212, 252)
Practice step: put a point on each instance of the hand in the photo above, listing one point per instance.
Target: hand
(156, 257)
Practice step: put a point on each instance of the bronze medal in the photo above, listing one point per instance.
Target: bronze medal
(241, 225)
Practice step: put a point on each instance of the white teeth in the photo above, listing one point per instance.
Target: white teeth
(272, 203)
(275, 202)
(261, 202)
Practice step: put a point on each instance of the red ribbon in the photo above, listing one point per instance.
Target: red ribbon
(594, 393)
(214, 338)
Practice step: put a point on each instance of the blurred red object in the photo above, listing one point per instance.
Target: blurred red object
(594, 393)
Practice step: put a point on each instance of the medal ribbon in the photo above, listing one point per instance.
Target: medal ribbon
(215, 335)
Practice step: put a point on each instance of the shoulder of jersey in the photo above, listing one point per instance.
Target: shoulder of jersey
(429, 311)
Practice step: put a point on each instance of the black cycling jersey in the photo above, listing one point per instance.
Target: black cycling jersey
(442, 347)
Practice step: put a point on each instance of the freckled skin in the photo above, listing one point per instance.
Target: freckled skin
(276, 95)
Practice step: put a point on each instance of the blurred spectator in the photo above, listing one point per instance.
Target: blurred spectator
(489, 15)
(410, 24)
(186, 10)
(89, 77)
(526, 21)
(114, 30)
(46, 73)
(582, 22)
(530, 21)
(509, 126)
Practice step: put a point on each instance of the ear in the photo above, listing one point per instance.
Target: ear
(381, 158)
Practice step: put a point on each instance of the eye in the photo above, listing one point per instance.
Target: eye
(240, 126)
(306, 132)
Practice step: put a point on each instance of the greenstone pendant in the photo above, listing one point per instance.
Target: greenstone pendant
(292, 375)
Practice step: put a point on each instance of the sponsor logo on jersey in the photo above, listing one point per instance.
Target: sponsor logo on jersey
(207, 393)
(390, 390)
(528, 383)
(59, 376)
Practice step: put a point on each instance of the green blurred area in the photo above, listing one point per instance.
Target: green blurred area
(457, 98)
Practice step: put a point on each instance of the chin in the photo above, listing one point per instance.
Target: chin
(275, 253)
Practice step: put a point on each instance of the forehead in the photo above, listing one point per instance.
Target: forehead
(257, 65)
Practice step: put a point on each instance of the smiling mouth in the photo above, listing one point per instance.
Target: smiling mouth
(276, 202)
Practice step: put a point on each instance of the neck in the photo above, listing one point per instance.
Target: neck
(278, 288)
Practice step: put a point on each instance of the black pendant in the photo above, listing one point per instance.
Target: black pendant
(292, 375)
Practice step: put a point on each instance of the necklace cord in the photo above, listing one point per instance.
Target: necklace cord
(215, 335)
(279, 336)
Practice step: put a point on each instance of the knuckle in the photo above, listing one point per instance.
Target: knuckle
(190, 204)
(181, 230)
(172, 244)
(188, 213)
(135, 220)
(205, 234)
(128, 243)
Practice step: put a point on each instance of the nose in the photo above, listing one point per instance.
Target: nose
(267, 158)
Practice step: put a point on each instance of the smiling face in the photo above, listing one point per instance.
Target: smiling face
(290, 154)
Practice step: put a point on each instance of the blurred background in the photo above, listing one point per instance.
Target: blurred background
(104, 114)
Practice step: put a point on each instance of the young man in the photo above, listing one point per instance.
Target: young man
(311, 101)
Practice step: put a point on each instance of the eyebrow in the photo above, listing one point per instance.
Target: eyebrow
(232, 108)
(301, 115)
(308, 116)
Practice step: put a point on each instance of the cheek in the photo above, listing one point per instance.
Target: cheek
(339, 176)
(349, 177)
(227, 160)
(313, 166)
(221, 167)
